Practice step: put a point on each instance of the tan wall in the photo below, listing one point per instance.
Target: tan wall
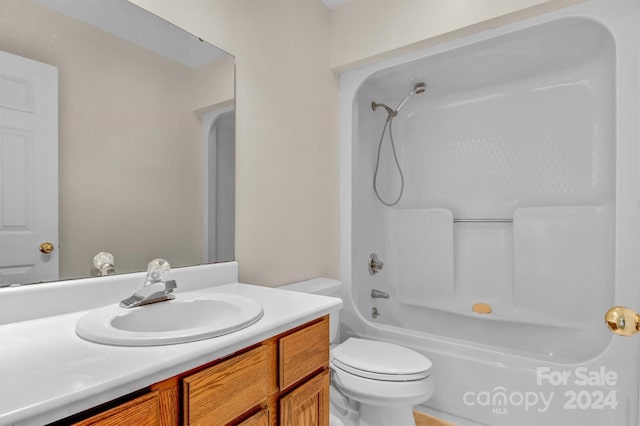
(214, 83)
(363, 31)
(130, 163)
(287, 176)
(286, 131)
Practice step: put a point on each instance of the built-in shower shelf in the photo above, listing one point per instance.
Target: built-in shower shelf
(500, 313)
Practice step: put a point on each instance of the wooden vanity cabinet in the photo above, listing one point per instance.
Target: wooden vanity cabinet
(141, 411)
(221, 393)
(301, 354)
(261, 418)
(307, 404)
(280, 381)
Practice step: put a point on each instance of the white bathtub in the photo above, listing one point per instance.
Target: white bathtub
(534, 124)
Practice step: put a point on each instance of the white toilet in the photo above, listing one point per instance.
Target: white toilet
(381, 381)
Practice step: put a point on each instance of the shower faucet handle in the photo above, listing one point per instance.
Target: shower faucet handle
(375, 265)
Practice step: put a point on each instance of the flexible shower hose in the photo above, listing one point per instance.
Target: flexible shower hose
(388, 122)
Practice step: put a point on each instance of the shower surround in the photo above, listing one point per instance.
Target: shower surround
(520, 192)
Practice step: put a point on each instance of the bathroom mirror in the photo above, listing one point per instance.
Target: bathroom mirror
(145, 141)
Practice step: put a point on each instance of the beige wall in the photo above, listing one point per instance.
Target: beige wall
(286, 131)
(287, 150)
(363, 31)
(129, 142)
(214, 84)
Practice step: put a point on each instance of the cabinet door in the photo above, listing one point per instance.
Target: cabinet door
(308, 404)
(261, 418)
(142, 411)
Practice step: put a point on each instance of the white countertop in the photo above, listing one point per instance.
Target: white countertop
(47, 372)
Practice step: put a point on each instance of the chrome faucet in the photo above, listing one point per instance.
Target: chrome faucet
(156, 288)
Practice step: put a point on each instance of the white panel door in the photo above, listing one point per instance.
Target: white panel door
(28, 169)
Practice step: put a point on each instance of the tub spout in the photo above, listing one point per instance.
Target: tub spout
(377, 294)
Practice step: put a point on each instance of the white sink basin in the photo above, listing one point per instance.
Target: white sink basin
(165, 323)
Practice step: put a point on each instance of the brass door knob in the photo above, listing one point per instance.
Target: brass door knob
(46, 247)
(622, 321)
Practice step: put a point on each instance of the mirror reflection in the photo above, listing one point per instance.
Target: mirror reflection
(116, 135)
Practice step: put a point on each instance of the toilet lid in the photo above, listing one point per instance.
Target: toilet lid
(380, 360)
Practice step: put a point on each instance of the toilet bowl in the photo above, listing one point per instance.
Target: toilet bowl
(387, 380)
(381, 381)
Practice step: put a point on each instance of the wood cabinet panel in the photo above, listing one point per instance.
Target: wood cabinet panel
(303, 352)
(169, 399)
(141, 411)
(261, 418)
(218, 394)
(308, 404)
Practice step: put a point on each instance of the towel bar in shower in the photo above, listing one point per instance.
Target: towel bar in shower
(483, 220)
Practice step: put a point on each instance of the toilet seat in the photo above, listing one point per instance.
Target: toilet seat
(380, 361)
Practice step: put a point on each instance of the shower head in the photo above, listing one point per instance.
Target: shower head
(418, 89)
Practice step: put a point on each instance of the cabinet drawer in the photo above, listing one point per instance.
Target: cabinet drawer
(142, 411)
(220, 393)
(303, 352)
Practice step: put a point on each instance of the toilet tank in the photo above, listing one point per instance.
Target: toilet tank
(324, 287)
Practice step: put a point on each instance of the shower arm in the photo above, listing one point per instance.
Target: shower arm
(375, 105)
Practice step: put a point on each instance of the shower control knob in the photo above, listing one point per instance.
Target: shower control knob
(375, 265)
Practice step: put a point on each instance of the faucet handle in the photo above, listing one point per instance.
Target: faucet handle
(157, 271)
(104, 263)
(375, 265)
